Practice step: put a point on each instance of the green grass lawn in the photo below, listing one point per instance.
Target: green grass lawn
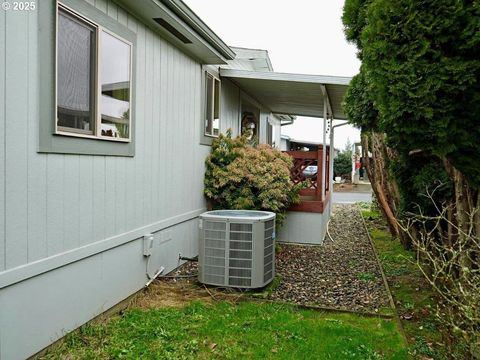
(414, 298)
(249, 330)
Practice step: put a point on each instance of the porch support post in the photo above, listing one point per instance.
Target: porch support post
(326, 106)
(332, 154)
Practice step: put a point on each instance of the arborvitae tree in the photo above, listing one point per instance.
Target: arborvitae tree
(419, 84)
(420, 72)
(423, 60)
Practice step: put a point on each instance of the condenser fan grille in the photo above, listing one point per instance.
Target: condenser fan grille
(240, 259)
(243, 264)
(240, 282)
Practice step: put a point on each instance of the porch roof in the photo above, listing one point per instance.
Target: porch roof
(294, 94)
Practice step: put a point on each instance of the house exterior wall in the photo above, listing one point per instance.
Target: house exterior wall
(71, 226)
(305, 227)
(230, 107)
(55, 203)
(36, 312)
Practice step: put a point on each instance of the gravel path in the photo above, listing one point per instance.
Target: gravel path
(341, 274)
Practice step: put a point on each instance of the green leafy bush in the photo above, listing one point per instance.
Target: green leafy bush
(418, 178)
(239, 176)
(342, 166)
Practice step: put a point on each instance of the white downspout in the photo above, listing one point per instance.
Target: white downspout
(354, 158)
(324, 142)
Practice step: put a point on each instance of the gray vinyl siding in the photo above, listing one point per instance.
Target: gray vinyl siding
(230, 107)
(2, 138)
(17, 107)
(53, 203)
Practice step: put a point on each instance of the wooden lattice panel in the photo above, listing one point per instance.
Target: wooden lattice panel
(298, 169)
(301, 161)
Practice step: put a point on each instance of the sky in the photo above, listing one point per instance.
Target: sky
(301, 36)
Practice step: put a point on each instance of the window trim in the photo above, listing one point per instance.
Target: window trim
(72, 132)
(47, 141)
(215, 78)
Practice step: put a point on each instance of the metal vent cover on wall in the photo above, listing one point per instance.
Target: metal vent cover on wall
(237, 248)
(171, 29)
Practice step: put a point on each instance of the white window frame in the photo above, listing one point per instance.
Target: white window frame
(97, 134)
(215, 79)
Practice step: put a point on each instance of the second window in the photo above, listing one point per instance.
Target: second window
(212, 106)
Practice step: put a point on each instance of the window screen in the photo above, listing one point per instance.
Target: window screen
(75, 74)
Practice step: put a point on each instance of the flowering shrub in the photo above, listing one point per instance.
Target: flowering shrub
(239, 176)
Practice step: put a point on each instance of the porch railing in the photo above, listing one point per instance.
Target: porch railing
(303, 170)
(307, 167)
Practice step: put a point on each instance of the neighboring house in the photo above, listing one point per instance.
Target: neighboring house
(108, 110)
(359, 172)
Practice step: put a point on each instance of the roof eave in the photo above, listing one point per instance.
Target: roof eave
(203, 44)
(186, 14)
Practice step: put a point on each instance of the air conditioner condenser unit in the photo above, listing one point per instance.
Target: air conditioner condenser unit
(237, 248)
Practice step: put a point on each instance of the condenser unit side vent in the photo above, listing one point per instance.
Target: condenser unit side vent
(269, 252)
(214, 250)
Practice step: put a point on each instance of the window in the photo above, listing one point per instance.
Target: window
(212, 106)
(93, 80)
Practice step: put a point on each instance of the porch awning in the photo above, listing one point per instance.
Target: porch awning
(294, 94)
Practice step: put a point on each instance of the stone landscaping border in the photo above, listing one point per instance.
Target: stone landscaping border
(385, 281)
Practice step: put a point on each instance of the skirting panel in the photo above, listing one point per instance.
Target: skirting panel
(304, 228)
(38, 311)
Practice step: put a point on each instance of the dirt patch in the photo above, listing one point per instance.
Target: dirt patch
(180, 287)
(168, 294)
